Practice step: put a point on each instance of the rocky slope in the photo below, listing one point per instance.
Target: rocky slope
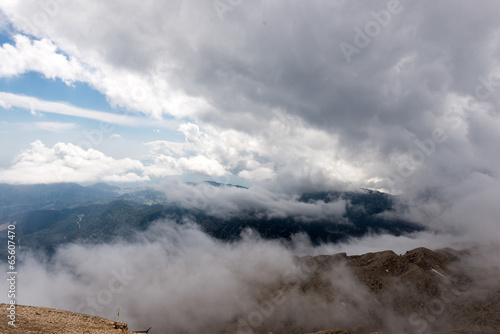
(422, 291)
(42, 320)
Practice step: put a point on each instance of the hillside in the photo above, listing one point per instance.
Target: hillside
(43, 320)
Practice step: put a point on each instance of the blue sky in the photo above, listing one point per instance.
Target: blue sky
(17, 125)
(77, 94)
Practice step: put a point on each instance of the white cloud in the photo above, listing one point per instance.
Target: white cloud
(4, 104)
(39, 56)
(122, 87)
(276, 153)
(33, 104)
(69, 163)
(202, 165)
(54, 126)
(165, 165)
(258, 174)
(226, 201)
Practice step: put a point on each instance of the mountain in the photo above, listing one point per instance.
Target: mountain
(47, 216)
(21, 198)
(371, 201)
(97, 223)
(217, 184)
(104, 187)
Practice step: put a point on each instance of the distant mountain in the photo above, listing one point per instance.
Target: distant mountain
(104, 187)
(145, 196)
(124, 216)
(362, 217)
(20, 198)
(218, 184)
(16, 199)
(372, 201)
(97, 223)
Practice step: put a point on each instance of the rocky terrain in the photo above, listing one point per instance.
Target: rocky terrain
(422, 291)
(38, 320)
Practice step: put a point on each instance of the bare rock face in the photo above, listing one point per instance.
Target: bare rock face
(422, 291)
(38, 320)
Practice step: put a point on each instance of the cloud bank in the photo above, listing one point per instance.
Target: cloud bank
(176, 278)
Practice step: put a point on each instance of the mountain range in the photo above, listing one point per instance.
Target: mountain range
(47, 216)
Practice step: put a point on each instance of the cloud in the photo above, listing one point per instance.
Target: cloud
(270, 95)
(358, 121)
(9, 100)
(72, 163)
(69, 163)
(175, 278)
(175, 261)
(180, 280)
(4, 104)
(202, 165)
(122, 87)
(53, 126)
(38, 56)
(279, 152)
(225, 202)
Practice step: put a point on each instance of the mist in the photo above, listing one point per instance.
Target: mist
(175, 278)
(227, 201)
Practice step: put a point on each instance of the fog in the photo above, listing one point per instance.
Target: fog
(175, 278)
(227, 201)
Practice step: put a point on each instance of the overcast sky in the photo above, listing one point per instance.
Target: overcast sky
(287, 95)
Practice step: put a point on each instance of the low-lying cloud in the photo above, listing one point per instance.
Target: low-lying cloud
(227, 201)
(176, 278)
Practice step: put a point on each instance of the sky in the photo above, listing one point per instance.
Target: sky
(287, 96)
